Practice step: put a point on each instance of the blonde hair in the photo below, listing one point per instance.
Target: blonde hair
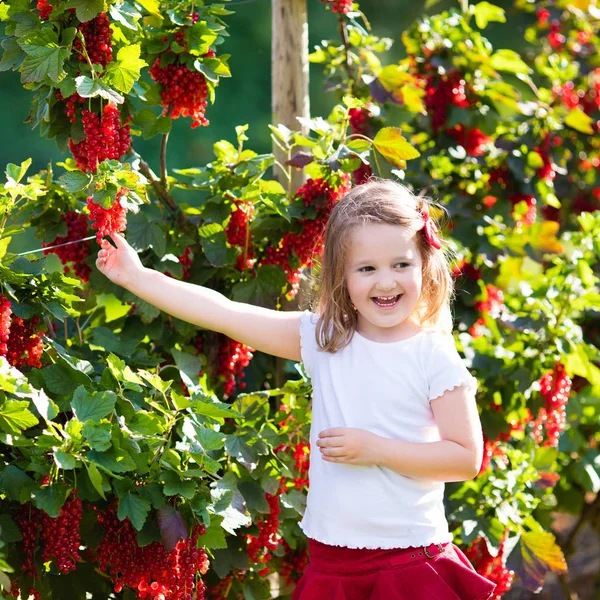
(386, 202)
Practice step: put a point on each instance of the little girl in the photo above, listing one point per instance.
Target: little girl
(394, 412)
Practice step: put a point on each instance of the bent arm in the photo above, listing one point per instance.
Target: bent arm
(456, 457)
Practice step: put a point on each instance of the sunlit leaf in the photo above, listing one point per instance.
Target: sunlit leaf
(392, 145)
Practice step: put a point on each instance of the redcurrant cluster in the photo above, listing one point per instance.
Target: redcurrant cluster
(45, 9)
(492, 304)
(293, 564)
(301, 453)
(341, 6)
(75, 253)
(61, 536)
(530, 215)
(97, 34)
(150, 571)
(308, 244)
(104, 137)
(441, 92)
(546, 171)
(472, 140)
(268, 538)
(238, 233)
(467, 269)
(108, 220)
(491, 567)
(186, 261)
(23, 347)
(555, 387)
(234, 357)
(359, 120)
(29, 521)
(490, 450)
(5, 314)
(184, 93)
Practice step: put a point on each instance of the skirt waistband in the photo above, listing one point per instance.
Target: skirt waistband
(338, 559)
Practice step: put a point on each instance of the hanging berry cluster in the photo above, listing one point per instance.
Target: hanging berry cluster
(104, 137)
(59, 536)
(238, 233)
(184, 93)
(74, 253)
(555, 388)
(45, 9)
(360, 124)
(261, 546)
(308, 244)
(97, 35)
(293, 563)
(18, 342)
(5, 314)
(234, 357)
(108, 220)
(491, 567)
(339, 6)
(151, 571)
(492, 304)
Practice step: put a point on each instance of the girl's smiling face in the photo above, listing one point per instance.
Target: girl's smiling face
(384, 280)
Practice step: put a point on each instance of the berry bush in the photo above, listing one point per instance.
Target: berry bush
(142, 458)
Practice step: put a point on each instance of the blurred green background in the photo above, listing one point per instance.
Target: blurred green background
(246, 96)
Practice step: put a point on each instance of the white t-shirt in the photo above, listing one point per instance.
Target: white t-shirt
(384, 388)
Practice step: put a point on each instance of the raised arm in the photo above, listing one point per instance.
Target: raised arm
(270, 331)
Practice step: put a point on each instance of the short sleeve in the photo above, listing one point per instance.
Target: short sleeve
(308, 340)
(445, 368)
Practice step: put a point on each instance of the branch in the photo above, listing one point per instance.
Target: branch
(163, 153)
(159, 188)
(344, 33)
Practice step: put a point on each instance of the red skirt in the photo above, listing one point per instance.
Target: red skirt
(437, 572)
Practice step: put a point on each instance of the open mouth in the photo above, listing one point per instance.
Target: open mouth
(386, 301)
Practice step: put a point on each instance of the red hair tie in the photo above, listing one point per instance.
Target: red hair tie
(430, 228)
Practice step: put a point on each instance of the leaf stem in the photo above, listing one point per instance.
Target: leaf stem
(464, 6)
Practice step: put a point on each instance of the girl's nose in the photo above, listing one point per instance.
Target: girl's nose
(386, 284)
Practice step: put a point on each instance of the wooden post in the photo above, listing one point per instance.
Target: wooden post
(289, 75)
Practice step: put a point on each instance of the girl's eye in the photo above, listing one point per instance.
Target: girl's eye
(363, 269)
(403, 264)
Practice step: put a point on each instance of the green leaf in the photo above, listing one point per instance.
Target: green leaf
(64, 460)
(578, 120)
(47, 409)
(86, 10)
(50, 498)
(96, 478)
(75, 181)
(214, 538)
(135, 508)
(237, 448)
(15, 172)
(88, 88)
(214, 244)
(44, 58)
(269, 283)
(13, 54)
(175, 486)
(98, 435)
(254, 496)
(485, 13)
(15, 416)
(510, 61)
(15, 483)
(391, 144)
(113, 461)
(94, 406)
(214, 409)
(125, 71)
(153, 7)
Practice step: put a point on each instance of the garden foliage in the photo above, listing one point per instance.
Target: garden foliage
(132, 460)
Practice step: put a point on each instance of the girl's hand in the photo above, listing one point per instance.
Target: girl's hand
(350, 446)
(120, 264)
